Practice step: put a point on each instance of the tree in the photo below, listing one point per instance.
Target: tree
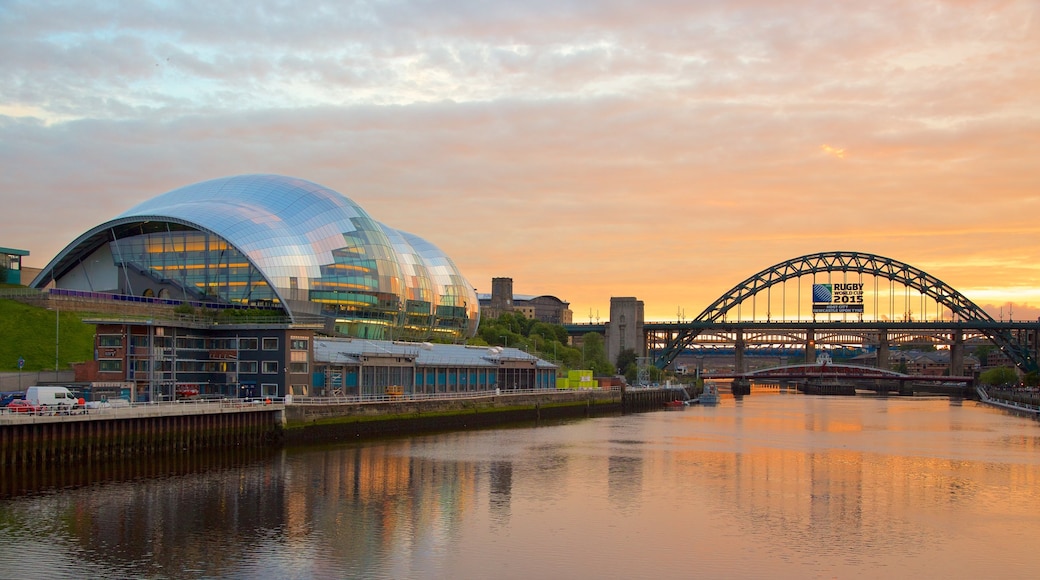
(594, 354)
(1031, 379)
(625, 358)
(999, 376)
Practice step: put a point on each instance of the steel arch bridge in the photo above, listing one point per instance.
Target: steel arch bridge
(965, 312)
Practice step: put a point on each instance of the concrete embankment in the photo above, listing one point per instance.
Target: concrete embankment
(152, 431)
(330, 423)
(172, 429)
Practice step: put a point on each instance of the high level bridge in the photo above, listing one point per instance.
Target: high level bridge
(880, 303)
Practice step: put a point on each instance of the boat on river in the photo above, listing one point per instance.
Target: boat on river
(710, 394)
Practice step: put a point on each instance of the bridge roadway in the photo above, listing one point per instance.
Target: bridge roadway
(664, 341)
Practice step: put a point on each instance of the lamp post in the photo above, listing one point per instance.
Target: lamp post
(57, 334)
(505, 338)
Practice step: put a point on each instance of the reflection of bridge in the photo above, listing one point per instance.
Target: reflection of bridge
(745, 317)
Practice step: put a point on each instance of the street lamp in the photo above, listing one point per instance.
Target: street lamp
(505, 338)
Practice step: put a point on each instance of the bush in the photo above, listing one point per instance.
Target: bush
(184, 308)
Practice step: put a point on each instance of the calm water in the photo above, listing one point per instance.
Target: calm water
(773, 486)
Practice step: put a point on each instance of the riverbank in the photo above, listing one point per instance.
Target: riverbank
(173, 428)
(1020, 403)
(327, 423)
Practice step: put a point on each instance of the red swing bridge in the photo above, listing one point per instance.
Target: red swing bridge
(842, 379)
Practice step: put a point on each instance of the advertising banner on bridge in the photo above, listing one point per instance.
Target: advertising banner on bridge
(837, 298)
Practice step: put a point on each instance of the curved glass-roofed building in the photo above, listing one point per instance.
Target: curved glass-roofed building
(274, 241)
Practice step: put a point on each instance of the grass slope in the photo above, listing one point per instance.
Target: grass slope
(28, 332)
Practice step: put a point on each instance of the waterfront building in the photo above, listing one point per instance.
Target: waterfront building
(162, 360)
(277, 244)
(355, 367)
(11, 265)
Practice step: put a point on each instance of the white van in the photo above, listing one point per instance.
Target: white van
(56, 399)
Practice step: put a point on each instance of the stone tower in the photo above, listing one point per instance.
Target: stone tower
(625, 327)
(501, 295)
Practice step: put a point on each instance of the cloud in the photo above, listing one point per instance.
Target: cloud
(833, 151)
(665, 150)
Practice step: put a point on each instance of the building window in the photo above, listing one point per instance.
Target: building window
(270, 367)
(298, 344)
(191, 342)
(270, 344)
(247, 367)
(247, 344)
(298, 367)
(110, 340)
(269, 389)
(110, 366)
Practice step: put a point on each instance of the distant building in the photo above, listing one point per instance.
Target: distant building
(545, 308)
(932, 363)
(996, 358)
(11, 265)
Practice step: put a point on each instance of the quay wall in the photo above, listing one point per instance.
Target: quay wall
(352, 421)
(173, 429)
(71, 440)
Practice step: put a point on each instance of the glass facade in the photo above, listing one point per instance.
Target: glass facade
(271, 240)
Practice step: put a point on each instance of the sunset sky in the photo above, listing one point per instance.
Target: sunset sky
(660, 149)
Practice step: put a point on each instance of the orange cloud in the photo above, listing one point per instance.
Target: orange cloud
(833, 151)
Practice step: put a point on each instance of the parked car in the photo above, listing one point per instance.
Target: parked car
(6, 398)
(108, 404)
(22, 406)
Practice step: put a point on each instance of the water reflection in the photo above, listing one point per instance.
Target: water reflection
(501, 480)
(786, 486)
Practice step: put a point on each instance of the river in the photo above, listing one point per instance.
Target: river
(775, 485)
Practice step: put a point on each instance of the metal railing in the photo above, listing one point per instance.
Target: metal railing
(1021, 399)
(126, 409)
(408, 397)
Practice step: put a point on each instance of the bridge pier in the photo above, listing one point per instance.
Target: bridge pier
(739, 346)
(810, 346)
(957, 353)
(882, 348)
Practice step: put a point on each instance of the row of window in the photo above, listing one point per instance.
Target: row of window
(246, 367)
(194, 343)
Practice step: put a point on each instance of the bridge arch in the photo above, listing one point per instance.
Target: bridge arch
(860, 263)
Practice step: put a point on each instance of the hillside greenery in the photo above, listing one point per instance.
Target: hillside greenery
(546, 341)
(29, 332)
